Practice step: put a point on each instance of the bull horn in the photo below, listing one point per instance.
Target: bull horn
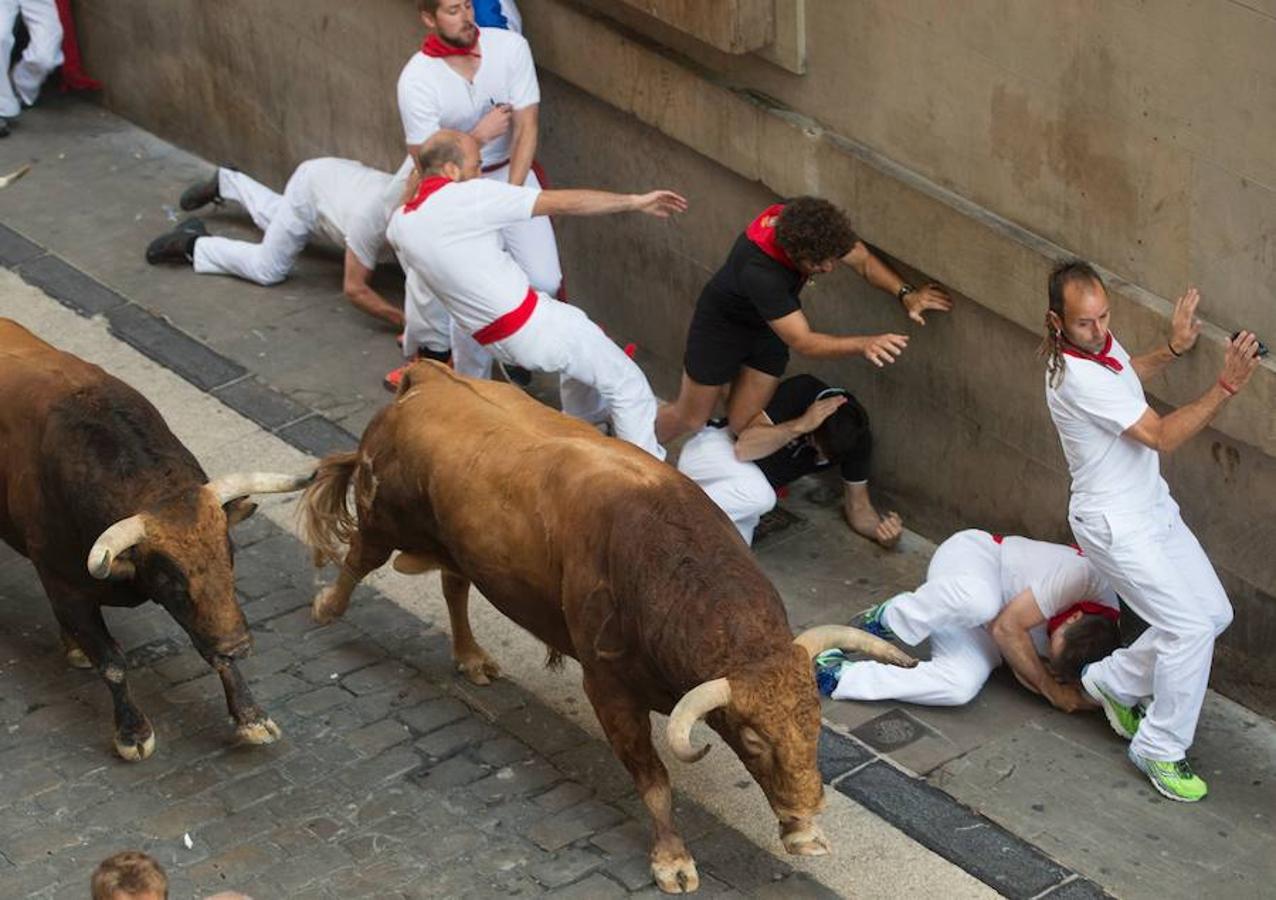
(694, 705)
(241, 484)
(114, 541)
(825, 637)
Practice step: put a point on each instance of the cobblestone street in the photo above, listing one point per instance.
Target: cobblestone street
(393, 777)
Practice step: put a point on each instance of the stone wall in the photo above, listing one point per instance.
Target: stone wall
(975, 148)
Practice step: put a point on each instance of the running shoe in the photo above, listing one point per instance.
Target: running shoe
(874, 625)
(828, 670)
(1175, 780)
(1123, 719)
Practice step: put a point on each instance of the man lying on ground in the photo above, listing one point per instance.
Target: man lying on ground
(807, 427)
(989, 599)
(341, 200)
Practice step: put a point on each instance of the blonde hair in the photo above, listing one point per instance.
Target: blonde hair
(130, 872)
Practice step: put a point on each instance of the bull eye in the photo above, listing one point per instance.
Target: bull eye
(753, 743)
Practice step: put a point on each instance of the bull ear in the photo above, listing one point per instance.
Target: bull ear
(752, 741)
(238, 510)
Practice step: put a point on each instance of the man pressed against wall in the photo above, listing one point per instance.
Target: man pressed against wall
(749, 316)
(1124, 518)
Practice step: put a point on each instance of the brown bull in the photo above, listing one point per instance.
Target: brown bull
(606, 555)
(113, 510)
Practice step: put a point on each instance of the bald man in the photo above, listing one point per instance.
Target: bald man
(450, 235)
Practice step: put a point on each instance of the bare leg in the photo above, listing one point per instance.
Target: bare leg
(689, 412)
(471, 659)
(627, 725)
(750, 393)
(364, 556)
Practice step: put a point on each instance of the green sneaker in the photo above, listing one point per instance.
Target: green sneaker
(1123, 719)
(1175, 780)
(874, 625)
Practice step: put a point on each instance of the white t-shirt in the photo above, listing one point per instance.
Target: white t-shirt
(453, 242)
(1091, 409)
(432, 95)
(1058, 577)
(354, 203)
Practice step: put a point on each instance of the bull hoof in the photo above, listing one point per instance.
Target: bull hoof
(327, 606)
(676, 874)
(479, 668)
(133, 748)
(805, 840)
(263, 732)
(78, 659)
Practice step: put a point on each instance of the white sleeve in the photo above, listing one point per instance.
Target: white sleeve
(1062, 585)
(418, 107)
(498, 204)
(525, 91)
(1095, 393)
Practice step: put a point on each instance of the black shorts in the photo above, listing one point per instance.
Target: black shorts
(716, 350)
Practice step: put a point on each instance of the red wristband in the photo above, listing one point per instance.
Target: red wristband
(1231, 391)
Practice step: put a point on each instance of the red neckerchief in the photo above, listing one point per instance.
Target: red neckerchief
(437, 48)
(1086, 607)
(761, 232)
(427, 189)
(1111, 363)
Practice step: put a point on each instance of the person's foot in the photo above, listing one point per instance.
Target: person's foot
(1175, 780)
(1123, 719)
(204, 192)
(394, 378)
(874, 624)
(178, 245)
(828, 670)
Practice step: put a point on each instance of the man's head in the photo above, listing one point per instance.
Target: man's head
(131, 875)
(1079, 640)
(814, 233)
(1078, 314)
(452, 154)
(451, 20)
(842, 434)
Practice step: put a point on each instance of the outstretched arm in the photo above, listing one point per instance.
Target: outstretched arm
(1185, 328)
(795, 330)
(881, 276)
(661, 204)
(358, 290)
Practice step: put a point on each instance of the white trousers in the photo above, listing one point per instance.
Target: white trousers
(533, 247)
(738, 488)
(597, 380)
(1158, 567)
(287, 221)
(961, 595)
(41, 56)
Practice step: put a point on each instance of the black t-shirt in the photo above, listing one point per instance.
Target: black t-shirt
(799, 457)
(751, 288)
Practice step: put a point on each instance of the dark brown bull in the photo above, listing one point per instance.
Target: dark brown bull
(113, 510)
(606, 555)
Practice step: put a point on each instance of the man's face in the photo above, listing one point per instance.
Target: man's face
(454, 22)
(1086, 315)
(823, 268)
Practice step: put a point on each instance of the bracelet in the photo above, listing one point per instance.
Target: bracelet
(1170, 344)
(904, 290)
(1231, 391)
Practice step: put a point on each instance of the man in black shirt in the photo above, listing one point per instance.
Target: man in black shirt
(807, 427)
(749, 315)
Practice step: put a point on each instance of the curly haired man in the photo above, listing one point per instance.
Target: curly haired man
(749, 316)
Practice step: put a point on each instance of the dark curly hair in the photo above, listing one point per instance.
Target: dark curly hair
(813, 231)
(1087, 640)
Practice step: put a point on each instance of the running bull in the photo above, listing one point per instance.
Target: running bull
(113, 510)
(606, 555)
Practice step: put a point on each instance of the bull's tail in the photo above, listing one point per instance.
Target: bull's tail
(327, 521)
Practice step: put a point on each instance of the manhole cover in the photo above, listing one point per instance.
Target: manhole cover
(890, 731)
(777, 521)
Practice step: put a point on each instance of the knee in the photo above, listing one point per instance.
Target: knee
(270, 272)
(756, 495)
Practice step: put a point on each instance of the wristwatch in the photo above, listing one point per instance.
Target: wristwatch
(904, 290)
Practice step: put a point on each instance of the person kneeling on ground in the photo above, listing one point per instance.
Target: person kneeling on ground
(989, 598)
(807, 427)
(345, 201)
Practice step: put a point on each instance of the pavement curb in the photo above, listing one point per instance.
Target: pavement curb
(1010, 865)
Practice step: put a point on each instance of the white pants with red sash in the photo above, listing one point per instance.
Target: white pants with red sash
(1159, 568)
(287, 221)
(738, 488)
(597, 381)
(42, 55)
(961, 595)
(531, 243)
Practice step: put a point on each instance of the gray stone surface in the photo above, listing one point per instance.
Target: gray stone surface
(170, 347)
(15, 249)
(59, 279)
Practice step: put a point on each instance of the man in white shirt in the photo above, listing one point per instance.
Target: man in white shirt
(989, 598)
(343, 201)
(1123, 516)
(481, 81)
(451, 235)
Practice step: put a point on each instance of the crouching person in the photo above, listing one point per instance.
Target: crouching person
(807, 427)
(989, 598)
